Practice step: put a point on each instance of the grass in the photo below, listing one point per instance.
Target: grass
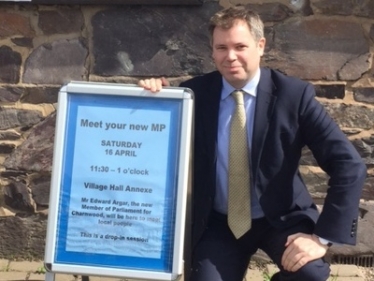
(6, 268)
(41, 270)
(267, 276)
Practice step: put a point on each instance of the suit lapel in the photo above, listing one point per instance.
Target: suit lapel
(265, 102)
(210, 119)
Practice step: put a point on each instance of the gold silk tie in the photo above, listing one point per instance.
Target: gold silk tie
(239, 201)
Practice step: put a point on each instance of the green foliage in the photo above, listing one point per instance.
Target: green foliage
(267, 276)
(40, 270)
(5, 268)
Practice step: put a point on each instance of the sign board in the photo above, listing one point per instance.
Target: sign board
(119, 181)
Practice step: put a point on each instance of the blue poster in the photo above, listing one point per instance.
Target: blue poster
(118, 182)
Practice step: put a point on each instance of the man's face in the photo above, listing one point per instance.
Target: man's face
(236, 53)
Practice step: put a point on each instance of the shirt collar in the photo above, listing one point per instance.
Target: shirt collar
(250, 88)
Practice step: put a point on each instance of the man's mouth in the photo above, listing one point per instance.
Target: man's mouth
(232, 68)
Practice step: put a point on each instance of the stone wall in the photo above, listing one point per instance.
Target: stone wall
(328, 42)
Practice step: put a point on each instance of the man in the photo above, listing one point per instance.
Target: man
(282, 116)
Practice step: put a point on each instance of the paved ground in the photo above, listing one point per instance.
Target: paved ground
(34, 271)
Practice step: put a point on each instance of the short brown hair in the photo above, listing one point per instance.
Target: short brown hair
(226, 18)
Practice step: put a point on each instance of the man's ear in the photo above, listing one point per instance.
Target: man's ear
(261, 46)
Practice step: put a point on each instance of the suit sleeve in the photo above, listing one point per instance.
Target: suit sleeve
(340, 160)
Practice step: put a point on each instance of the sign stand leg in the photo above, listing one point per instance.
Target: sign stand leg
(49, 276)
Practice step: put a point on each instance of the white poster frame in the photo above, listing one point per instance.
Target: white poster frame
(183, 100)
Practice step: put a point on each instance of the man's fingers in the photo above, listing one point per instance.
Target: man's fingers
(290, 250)
(165, 82)
(295, 260)
(301, 249)
(153, 84)
(288, 256)
(292, 238)
(299, 264)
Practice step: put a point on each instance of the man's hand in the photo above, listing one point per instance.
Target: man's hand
(154, 84)
(302, 248)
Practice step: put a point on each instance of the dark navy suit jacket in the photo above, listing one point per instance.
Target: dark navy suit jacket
(287, 118)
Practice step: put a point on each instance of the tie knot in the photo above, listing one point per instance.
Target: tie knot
(238, 96)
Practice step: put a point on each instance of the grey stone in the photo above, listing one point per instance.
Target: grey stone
(56, 63)
(368, 190)
(315, 181)
(17, 196)
(12, 24)
(35, 153)
(12, 174)
(271, 12)
(362, 8)
(10, 94)
(10, 65)
(364, 95)
(351, 115)
(319, 49)
(23, 42)
(23, 237)
(40, 189)
(336, 91)
(6, 148)
(61, 21)
(307, 158)
(36, 225)
(33, 95)
(351, 131)
(302, 6)
(38, 95)
(363, 148)
(369, 140)
(12, 118)
(354, 68)
(9, 135)
(162, 41)
(269, 36)
(119, 2)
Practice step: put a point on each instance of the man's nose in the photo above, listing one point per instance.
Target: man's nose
(231, 54)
